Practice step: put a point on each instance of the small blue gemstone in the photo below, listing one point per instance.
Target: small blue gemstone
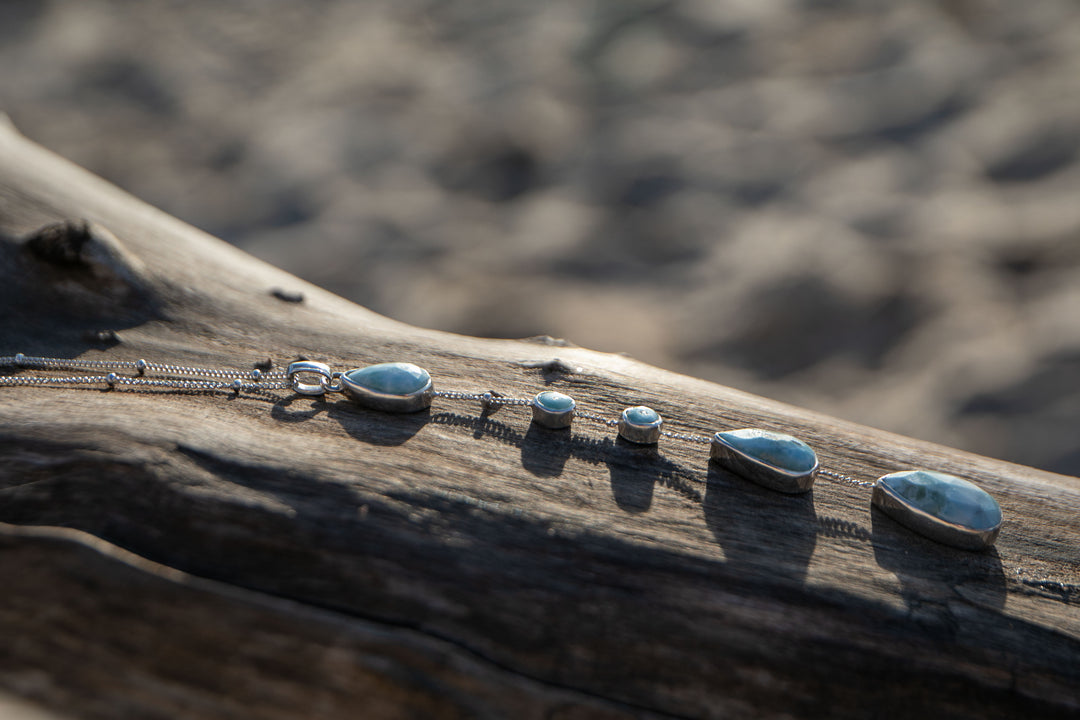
(641, 415)
(946, 497)
(554, 401)
(772, 448)
(395, 378)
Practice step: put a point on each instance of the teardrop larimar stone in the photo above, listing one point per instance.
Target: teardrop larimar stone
(393, 387)
(942, 507)
(393, 378)
(775, 460)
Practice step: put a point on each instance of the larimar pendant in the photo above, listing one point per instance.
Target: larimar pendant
(774, 460)
(941, 507)
(391, 387)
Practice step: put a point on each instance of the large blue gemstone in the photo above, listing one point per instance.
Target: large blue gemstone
(947, 498)
(772, 448)
(394, 378)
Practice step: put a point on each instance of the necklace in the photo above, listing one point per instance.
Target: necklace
(942, 507)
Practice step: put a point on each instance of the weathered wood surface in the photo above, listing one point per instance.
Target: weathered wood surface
(197, 556)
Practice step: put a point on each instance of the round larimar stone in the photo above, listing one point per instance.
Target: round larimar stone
(641, 415)
(640, 425)
(553, 409)
(554, 402)
(393, 378)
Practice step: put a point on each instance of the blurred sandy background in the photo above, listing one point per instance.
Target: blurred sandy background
(871, 208)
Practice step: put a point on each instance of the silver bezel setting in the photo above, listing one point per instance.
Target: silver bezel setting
(387, 402)
(640, 433)
(895, 506)
(760, 472)
(553, 419)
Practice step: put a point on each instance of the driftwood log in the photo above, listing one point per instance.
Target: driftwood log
(186, 555)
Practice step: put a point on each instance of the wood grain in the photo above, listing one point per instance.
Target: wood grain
(176, 554)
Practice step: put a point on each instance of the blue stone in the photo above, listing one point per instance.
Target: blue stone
(946, 497)
(772, 448)
(394, 378)
(641, 415)
(554, 402)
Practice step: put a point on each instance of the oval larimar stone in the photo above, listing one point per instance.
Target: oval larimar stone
(641, 415)
(393, 386)
(553, 409)
(942, 507)
(555, 401)
(640, 425)
(775, 460)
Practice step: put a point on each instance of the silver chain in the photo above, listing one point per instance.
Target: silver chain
(490, 400)
(844, 478)
(454, 395)
(182, 377)
(584, 414)
(687, 437)
(174, 377)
